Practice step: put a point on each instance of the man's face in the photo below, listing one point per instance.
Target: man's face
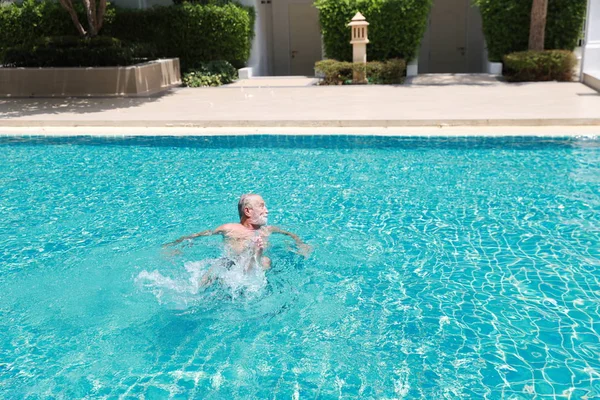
(258, 212)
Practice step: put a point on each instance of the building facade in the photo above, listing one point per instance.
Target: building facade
(288, 39)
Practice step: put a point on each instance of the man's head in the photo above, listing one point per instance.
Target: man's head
(252, 208)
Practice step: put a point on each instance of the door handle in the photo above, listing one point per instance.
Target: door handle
(462, 50)
(294, 52)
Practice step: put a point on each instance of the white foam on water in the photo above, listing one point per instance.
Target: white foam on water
(445, 320)
(239, 277)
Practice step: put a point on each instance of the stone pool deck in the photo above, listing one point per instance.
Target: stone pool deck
(419, 105)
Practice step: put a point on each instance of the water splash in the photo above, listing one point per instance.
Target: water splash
(200, 281)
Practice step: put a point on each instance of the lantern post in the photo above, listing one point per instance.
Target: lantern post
(359, 27)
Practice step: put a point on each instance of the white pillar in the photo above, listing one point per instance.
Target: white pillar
(591, 50)
(255, 65)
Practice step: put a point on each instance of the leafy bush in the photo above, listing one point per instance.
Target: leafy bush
(195, 33)
(548, 65)
(73, 51)
(215, 73)
(390, 72)
(396, 29)
(196, 79)
(506, 25)
(335, 72)
(27, 22)
(340, 72)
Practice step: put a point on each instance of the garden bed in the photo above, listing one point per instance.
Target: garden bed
(144, 79)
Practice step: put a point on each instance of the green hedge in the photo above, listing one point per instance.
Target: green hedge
(548, 65)
(396, 29)
(336, 72)
(506, 25)
(75, 51)
(195, 33)
(31, 20)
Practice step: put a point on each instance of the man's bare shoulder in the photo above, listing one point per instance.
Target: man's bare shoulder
(229, 228)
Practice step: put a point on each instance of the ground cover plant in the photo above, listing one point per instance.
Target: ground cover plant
(214, 73)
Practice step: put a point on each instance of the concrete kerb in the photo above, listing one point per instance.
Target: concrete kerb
(305, 123)
(445, 131)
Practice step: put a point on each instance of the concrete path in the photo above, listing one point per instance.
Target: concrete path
(455, 80)
(275, 81)
(466, 103)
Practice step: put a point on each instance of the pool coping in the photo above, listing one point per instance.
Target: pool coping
(180, 131)
(354, 123)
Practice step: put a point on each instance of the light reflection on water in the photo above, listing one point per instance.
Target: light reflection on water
(441, 268)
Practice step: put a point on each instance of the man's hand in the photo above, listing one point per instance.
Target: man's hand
(171, 252)
(259, 242)
(304, 249)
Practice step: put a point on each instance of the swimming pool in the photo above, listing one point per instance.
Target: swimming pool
(442, 268)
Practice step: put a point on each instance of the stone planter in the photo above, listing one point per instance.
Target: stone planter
(494, 68)
(592, 79)
(135, 80)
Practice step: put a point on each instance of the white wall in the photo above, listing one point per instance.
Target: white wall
(258, 60)
(591, 51)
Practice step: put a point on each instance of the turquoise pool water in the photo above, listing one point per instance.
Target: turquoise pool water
(442, 269)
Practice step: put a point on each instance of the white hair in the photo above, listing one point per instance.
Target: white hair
(245, 201)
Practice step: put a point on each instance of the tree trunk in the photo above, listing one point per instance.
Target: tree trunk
(100, 14)
(537, 29)
(67, 5)
(90, 12)
(94, 13)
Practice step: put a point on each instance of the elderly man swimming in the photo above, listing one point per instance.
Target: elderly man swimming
(250, 235)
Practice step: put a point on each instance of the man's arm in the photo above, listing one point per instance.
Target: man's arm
(218, 231)
(304, 248)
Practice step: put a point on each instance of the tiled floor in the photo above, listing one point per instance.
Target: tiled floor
(462, 102)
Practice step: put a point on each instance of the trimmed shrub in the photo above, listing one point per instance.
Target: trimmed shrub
(396, 29)
(335, 72)
(31, 20)
(340, 72)
(391, 72)
(195, 33)
(215, 73)
(74, 51)
(548, 65)
(506, 25)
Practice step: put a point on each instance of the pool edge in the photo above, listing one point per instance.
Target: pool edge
(176, 131)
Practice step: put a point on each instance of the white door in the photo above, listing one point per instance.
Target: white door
(448, 40)
(305, 38)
